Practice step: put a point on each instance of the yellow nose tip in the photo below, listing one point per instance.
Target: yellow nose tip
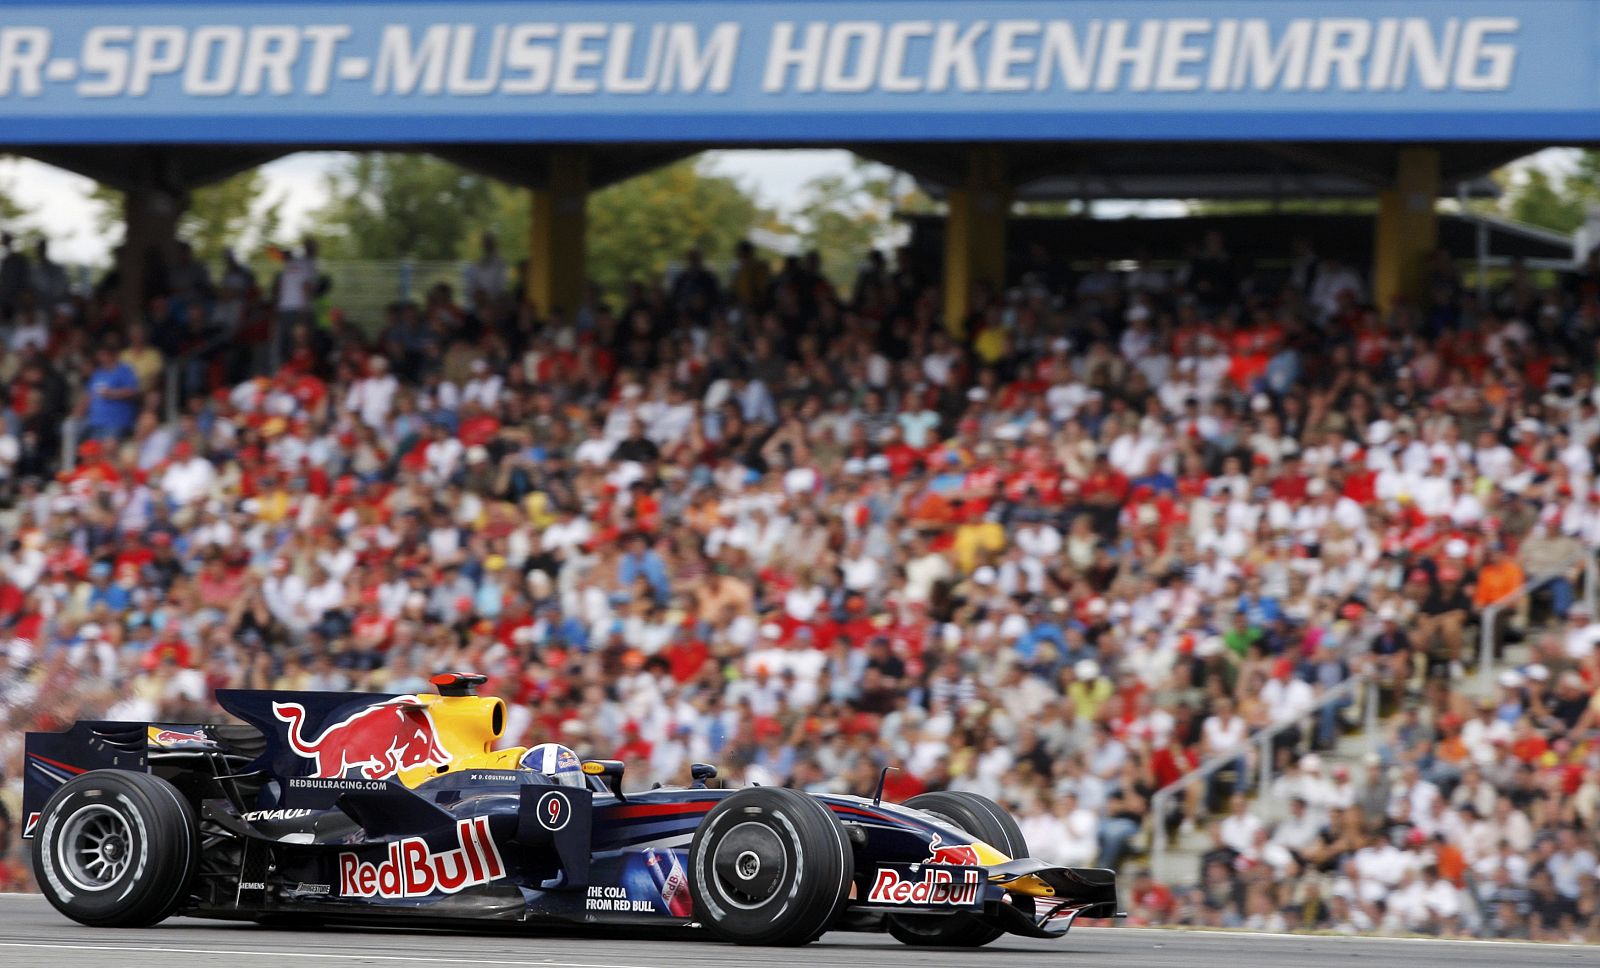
(1031, 886)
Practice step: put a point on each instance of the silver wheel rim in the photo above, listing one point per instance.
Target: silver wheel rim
(96, 847)
(745, 853)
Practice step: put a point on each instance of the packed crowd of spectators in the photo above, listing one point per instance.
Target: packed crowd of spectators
(1058, 552)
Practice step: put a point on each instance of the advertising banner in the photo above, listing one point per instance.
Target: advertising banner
(648, 70)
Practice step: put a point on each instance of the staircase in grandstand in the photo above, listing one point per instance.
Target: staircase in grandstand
(1176, 849)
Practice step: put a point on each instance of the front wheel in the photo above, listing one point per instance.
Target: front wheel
(116, 849)
(984, 820)
(770, 866)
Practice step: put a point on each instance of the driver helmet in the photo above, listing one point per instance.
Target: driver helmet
(557, 762)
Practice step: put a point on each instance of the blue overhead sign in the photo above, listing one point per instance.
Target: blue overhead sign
(646, 70)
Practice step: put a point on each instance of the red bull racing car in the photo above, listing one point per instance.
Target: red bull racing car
(359, 807)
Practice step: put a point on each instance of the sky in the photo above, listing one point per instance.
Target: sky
(61, 205)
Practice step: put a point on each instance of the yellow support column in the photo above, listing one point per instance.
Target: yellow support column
(975, 233)
(1407, 229)
(556, 237)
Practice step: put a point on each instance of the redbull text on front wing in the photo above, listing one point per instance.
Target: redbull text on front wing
(413, 870)
(938, 888)
(380, 740)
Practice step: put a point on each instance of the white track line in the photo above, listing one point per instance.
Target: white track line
(351, 956)
(1285, 936)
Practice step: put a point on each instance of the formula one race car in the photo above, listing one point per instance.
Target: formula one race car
(362, 807)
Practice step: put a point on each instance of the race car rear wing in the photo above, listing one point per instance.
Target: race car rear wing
(51, 759)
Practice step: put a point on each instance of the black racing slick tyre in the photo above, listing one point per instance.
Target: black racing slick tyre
(116, 849)
(988, 822)
(770, 866)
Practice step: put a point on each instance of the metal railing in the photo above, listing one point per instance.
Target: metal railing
(1261, 740)
(1489, 615)
(1359, 684)
(71, 431)
(1591, 582)
(362, 288)
(176, 372)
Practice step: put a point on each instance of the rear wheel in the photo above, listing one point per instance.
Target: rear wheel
(116, 849)
(769, 866)
(987, 821)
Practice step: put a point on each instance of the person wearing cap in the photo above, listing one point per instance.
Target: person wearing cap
(1089, 689)
(1582, 632)
(484, 386)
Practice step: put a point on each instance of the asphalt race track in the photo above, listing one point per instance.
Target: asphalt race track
(32, 934)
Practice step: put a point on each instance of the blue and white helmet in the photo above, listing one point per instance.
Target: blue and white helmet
(556, 762)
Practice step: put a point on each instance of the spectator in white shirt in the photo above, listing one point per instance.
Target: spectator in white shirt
(285, 595)
(1571, 864)
(1223, 732)
(1079, 842)
(484, 386)
(485, 279)
(297, 286)
(372, 397)
(1287, 696)
(188, 477)
(1238, 829)
(1334, 283)
(1381, 863)
(1582, 632)
(1416, 792)
(567, 535)
(1483, 731)
(1041, 826)
(1299, 830)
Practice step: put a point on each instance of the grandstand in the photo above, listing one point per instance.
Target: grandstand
(1263, 570)
(1239, 580)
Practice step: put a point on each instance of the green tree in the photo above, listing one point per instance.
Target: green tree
(222, 215)
(11, 210)
(393, 206)
(1535, 194)
(638, 226)
(17, 218)
(1288, 206)
(1537, 199)
(844, 216)
(507, 219)
(229, 214)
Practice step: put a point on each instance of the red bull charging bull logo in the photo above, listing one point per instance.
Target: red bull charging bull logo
(380, 740)
(413, 870)
(955, 855)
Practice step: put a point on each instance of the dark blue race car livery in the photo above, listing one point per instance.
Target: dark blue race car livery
(361, 807)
